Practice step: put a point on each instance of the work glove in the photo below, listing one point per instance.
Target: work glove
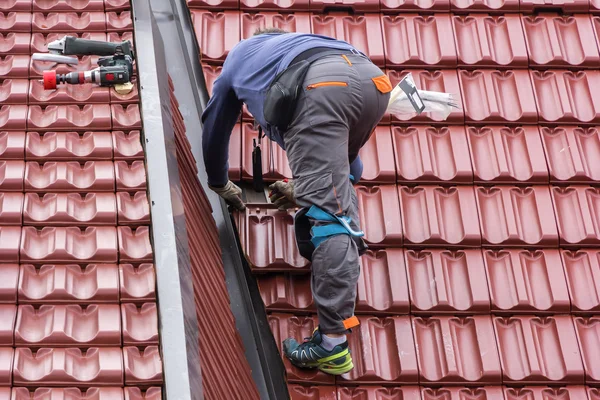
(231, 193)
(282, 195)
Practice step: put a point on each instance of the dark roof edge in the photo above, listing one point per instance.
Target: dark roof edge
(268, 372)
(177, 312)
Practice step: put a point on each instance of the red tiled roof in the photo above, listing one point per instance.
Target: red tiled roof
(79, 316)
(483, 270)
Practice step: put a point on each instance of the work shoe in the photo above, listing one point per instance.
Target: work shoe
(310, 354)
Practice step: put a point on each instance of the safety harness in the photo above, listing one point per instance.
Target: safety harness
(340, 225)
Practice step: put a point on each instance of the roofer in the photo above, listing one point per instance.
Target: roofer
(319, 99)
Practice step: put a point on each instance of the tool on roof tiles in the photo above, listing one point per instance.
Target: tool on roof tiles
(405, 98)
(115, 67)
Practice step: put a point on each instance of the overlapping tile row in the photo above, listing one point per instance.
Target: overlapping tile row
(78, 299)
(225, 370)
(481, 280)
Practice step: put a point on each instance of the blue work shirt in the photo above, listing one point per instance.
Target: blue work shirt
(247, 72)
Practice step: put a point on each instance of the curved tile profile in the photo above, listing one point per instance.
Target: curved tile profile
(133, 209)
(582, 272)
(523, 281)
(14, 43)
(490, 41)
(567, 96)
(77, 6)
(379, 215)
(12, 145)
(71, 283)
(593, 393)
(250, 22)
(285, 292)
(135, 393)
(377, 392)
(301, 392)
(94, 393)
(13, 66)
(70, 209)
(137, 284)
(513, 216)
(362, 31)
(94, 366)
(68, 325)
(389, 6)
(443, 281)
(377, 156)
(68, 22)
(8, 315)
(13, 117)
(431, 154)
(457, 350)
(436, 80)
(216, 32)
(573, 153)
(11, 208)
(542, 393)
(130, 176)
(69, 117)
(504, 154)
(119, 21)
(67, 94)
(126, 117)
(577, 211)
(588, 334)
(140, 324)
(560, 41)
(460, 393)
(539, 350)
(9, 280)
(439, 216)
(275, 164)
(142, 367)
(15, 5)
(14, 91)
(413, 40)
(493, 96)
(134, 244)
(127, 145)
(117, 5)
(268, 239)
(10, 240)
(7, 355)
(383, 352)
(68, 146)
(12, 21)
(70, 176)
(69, 244)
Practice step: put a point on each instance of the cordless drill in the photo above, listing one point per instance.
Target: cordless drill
(114, 69)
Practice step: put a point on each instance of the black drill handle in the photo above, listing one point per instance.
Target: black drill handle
(85, 47)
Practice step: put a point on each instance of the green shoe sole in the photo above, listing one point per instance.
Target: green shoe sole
(337, 364)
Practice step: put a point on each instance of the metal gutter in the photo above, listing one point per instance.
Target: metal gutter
(177, 313)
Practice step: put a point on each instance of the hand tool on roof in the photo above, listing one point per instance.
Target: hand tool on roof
(115, 67)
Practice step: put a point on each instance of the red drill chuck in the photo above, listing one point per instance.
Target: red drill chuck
(103, 76)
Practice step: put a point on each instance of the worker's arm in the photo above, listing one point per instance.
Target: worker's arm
(356, 170)
(218, 119)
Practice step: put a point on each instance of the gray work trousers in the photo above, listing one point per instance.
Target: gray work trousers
(336, 114)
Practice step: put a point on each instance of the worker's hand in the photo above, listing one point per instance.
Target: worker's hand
(282, 195)
(231, 193)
